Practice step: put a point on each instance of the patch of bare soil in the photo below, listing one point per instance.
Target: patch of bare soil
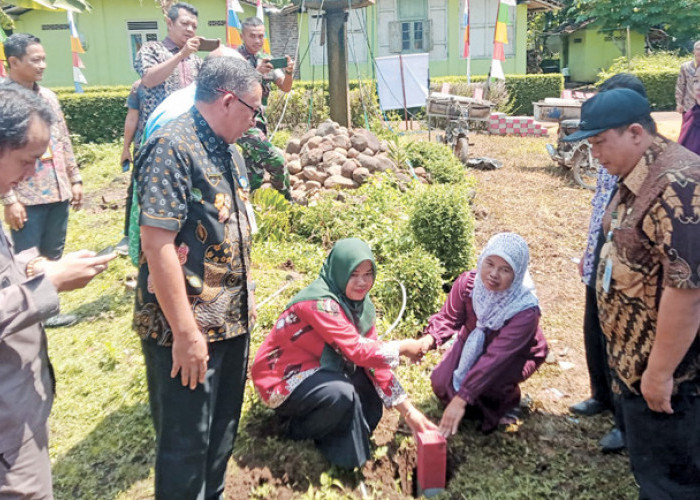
(540, 201)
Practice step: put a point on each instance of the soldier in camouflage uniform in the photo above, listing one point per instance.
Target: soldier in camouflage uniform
(257, 149)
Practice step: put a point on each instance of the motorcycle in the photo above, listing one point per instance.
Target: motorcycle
(576, 156)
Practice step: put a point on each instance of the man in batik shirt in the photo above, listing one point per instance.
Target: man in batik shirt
(648, 290)
(36, 209)
(685, 96)
(192, 307)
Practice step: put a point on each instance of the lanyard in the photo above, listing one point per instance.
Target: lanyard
(607, 274)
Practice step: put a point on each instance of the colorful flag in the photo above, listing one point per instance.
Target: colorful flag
(465, 24)
(76, 48)
(3, 37)
(233, 24)
(260, 15)
(500, 37)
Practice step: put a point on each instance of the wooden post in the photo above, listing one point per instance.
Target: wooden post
(336, 41)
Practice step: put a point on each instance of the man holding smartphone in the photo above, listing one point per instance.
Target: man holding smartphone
(28, 291)
(257, 149)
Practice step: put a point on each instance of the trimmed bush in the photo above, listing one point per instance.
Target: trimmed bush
(421, 274)
(522, 89)
(437, 159)
(95, 116)
(443, 223)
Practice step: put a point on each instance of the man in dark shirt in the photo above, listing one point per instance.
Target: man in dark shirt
(192, 308)
(648, 290)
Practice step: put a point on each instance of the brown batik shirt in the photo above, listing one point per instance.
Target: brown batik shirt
(655, 243)
(187, 184)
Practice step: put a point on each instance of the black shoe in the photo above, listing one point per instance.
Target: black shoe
(613, 441)
(588, 407)
(61, 320)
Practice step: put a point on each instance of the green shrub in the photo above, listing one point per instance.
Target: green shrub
(95, 117)
(443, 223)
(437, 159)
(420, 272)
(272, 214)
(522, 89)
(371, 212)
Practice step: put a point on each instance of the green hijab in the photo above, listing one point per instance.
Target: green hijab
(344, 258)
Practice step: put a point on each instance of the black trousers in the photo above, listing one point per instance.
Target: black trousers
(339, 411)
(195, 429)
(596, 354)
(664, 449)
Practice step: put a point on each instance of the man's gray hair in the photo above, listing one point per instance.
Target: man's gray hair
(225, 73)
(174, 11)
(19, 107)
(696, 45)
(252, 22)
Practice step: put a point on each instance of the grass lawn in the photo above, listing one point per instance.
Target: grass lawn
(101, 437)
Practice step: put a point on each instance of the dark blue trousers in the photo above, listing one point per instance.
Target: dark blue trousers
(664, 449)
(45, 229)
(339, 411)
(195, 429)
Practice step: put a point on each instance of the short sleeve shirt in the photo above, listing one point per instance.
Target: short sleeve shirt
(605, 184)
(154, 53)
(186, 185)
(655, 221)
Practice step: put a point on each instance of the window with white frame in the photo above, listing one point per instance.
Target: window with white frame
(411, 31)
(140, 32)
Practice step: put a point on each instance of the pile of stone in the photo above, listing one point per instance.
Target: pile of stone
(335, 157)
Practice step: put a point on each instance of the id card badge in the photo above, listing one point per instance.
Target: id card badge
(251, 217)
(607, 275)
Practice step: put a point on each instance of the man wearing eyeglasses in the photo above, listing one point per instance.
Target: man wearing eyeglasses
(192, 300)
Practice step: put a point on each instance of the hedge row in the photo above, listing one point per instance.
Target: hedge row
(660, 86)
(522, 89)
(98, 114)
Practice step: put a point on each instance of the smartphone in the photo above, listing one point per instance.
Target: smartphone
(105, 251)
(125, 166)
(208, 44)
(279, 62)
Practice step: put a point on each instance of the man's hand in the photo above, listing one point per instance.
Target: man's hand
(190, 357)
(264, 66)
(289, 70)
(77, 191)
(580, 265)
(452, 416)
(75, 270)
(126, 155)
(15, 215)
(657, 390)
(190, 47)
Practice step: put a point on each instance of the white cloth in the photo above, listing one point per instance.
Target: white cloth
(493, 309)
(414, 81)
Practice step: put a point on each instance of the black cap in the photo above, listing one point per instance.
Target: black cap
(609, 109)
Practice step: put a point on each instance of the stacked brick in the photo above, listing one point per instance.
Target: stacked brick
(523, 126)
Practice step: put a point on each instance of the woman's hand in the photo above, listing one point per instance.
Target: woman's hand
(416, 349)
(452, 416)
(414, 418)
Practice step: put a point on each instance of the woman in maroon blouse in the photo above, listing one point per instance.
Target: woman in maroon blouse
(495, 314)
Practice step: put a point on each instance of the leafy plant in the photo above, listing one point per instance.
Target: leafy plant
(438, 160)
(443, 223)
(272, 215)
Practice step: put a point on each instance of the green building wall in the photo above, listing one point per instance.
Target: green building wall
(453, 65)
(107, 55)
(594, 53)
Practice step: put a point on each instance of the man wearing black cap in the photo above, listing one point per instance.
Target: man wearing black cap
(648, 289)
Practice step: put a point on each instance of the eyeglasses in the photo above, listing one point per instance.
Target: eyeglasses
(257, 112)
